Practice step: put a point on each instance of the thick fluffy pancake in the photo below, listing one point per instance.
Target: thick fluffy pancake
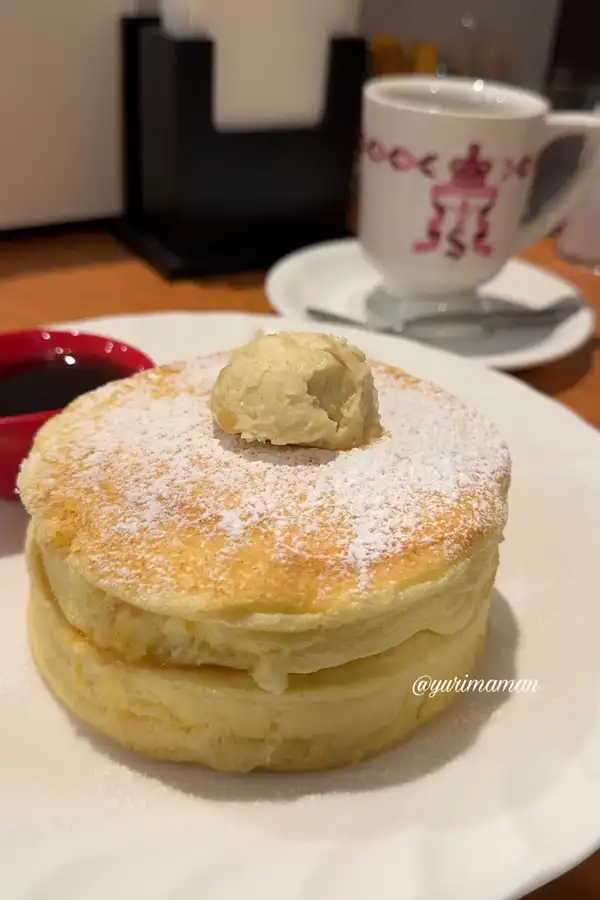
(442, 607)
(166, 540)
(220, 718)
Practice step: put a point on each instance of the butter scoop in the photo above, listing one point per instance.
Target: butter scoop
(303, 389)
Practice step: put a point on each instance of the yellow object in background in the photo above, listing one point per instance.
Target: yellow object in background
(425, 58)
(387, 56)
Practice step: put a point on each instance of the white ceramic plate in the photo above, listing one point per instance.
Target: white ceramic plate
(336, 276)
(497, 797)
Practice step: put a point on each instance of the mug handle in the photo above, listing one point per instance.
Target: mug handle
(558, 206)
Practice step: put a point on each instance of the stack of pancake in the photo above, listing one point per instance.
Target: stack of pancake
(196, 598)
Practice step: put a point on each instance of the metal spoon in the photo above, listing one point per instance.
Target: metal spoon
(492, 320)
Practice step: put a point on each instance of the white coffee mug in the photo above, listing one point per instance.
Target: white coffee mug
(446, 173)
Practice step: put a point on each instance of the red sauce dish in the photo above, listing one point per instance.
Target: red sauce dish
(41, 372)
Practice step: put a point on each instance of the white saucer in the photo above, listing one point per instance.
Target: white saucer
(494, 799)
(335, 276)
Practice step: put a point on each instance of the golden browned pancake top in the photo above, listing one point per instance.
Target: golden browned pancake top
(152, 502)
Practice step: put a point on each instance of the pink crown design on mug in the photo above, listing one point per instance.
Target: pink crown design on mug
(471, 172)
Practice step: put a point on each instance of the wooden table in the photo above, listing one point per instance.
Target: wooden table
(64, 278)
(72, 277)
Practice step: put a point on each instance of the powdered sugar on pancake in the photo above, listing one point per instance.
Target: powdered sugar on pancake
(145, 458)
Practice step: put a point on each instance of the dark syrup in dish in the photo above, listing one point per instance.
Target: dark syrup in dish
(42, 385)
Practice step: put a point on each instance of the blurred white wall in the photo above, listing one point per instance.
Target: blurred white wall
(60, 109)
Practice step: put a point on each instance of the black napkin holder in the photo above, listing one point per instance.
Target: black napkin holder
(199, 201)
